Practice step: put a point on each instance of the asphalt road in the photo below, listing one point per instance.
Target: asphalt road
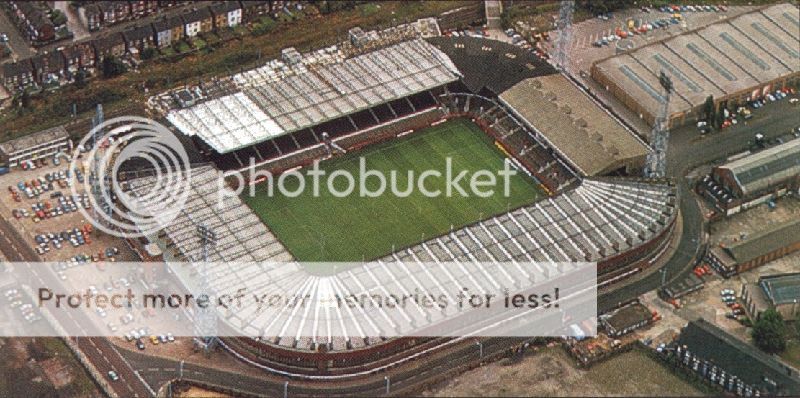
(103, 355)
(405, 379)
(20, 47)
(688, 150)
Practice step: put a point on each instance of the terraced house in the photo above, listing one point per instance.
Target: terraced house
(227, 14)
(32, 21)
(137, 38)
(108, 45)
(168, 30)
(196, 21)
(18, 75)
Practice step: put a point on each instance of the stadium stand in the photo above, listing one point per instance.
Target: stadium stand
(490, 67)
(518, 140)
(603, 221)
(582, 133)
(277, 115)
(243, 237)
(286, 96)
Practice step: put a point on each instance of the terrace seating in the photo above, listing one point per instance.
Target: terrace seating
(294, 149)
(526, 147)
(598, 220)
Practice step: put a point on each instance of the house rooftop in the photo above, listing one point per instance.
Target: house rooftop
(782, 288)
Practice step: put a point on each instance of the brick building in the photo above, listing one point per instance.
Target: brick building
(779, 292)
(762, 247)
(755, 179)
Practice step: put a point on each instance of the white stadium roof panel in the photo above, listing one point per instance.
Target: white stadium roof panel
(594, 221)
(277, 99)
(226, 122)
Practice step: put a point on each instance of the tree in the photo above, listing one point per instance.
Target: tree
(58, 18)
(769, 332)
(112, 66)
(25, 99)
(149, 53)
(604, 6)
(708, 109)
(80, 78)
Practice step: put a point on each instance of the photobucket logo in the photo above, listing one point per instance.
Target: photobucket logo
(371, 183)
(154, 155)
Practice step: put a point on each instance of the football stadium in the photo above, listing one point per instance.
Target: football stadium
(305, 222)
(406, 102)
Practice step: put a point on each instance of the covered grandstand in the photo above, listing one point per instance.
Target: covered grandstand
(735, 61)
(618, 223)
(516, 138)
(490, 67)
(286, 105)
(243, 237)
(570, 123)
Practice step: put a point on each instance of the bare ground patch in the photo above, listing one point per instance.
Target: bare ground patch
(551, 372)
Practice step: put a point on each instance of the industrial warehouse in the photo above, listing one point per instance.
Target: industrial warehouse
(780, 292)
(734, 61)
(754, 179)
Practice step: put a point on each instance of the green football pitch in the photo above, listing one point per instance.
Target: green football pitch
(326, 228)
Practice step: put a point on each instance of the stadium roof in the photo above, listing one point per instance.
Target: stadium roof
(597, 220)
(781, 289)
(766, 241)
(766, 168)
(241, 236)
(585, 135)
(281, 98)
(491, 64)
(736, 357)
(726, 57)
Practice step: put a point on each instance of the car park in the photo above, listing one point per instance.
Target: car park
(126, 319)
